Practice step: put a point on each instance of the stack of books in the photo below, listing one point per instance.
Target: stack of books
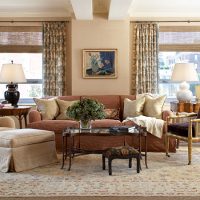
(122, 129)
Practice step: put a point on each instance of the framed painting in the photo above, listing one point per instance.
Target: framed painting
(99, 63)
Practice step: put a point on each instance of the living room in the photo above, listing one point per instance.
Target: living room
(90, 27)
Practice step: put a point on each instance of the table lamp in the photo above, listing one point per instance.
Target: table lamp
(183, 72)
(12, 74)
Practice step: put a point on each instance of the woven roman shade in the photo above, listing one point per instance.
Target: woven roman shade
(20, 39)
(179, 38)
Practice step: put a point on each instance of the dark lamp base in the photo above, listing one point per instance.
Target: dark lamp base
(12, 95)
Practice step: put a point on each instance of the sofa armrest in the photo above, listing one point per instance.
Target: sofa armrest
(7, 122)
(166, 114)
(34, 116)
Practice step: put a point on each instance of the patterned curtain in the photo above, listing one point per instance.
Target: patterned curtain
(54, 61)
(146, 58)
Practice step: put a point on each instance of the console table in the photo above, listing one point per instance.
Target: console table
(68, 148)
(19, 112)
(184, 107)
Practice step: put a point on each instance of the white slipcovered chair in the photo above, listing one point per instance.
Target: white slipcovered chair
(24, 149)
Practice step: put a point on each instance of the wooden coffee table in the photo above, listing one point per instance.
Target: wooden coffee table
(70, 150)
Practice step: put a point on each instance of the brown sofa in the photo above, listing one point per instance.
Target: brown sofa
(88, 142)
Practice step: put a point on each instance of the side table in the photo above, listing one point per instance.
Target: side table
(184, 107)
(19, 112)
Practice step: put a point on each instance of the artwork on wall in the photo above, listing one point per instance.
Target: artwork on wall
(99, 63)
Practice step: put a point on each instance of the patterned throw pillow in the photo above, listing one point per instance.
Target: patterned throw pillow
(63, 105)
(111, 113)
(47, 107)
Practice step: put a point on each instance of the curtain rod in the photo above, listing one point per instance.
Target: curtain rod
(35, 21)
(168, 21)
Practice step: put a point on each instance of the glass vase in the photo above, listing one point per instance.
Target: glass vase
(85, 124)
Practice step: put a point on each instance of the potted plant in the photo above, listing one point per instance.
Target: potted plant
(86, 110)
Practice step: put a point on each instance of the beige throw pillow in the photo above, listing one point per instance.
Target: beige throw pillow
(153, 106)
(47, 107)
(133, 108)
(63, 105)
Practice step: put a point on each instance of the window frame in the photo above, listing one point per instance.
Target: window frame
(23, 49)
(177, 47)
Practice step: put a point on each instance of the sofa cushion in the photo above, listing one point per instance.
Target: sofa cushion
(55, 125)
(47, 107)
(105, 123)
(133, 108)
(63, 105)
(153, 106)
(22, 137)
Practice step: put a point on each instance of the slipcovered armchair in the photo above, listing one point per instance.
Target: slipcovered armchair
(6, 123)
(183, 127)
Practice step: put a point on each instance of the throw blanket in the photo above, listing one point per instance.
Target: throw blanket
(153, 125)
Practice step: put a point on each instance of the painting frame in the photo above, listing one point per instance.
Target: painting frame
(99, 63)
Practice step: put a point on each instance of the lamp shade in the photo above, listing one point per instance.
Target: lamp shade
(184, 72)
(12, 73)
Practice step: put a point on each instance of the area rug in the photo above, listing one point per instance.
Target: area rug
(169, 177)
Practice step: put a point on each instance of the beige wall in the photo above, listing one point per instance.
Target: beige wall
(100, 33)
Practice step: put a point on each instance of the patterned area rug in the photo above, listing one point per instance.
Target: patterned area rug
(166, 176)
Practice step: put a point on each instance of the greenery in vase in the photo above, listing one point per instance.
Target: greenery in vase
(86, 110)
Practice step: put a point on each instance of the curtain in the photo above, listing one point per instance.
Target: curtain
(145, 67)
(54, 61)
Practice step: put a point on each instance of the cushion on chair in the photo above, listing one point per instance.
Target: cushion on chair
(181, 129)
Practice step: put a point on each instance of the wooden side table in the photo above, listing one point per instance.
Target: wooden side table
(184, 107)
(19, 112)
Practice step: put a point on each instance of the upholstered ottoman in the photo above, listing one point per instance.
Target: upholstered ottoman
(23, 149)
(122, 152)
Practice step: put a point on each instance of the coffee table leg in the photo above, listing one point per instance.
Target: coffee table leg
(63, 152)
(103, 162)
(146, 151)
(140, 150)
(138, 163)
(70, 154)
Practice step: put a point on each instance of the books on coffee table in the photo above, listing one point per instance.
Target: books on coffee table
(123, 129)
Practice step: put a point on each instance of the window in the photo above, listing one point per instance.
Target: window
(177, 44)
(23, 45)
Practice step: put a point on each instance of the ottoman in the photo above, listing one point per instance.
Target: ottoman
(122, 152)
(23, 149)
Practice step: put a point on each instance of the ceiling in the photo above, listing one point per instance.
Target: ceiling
(115, 9)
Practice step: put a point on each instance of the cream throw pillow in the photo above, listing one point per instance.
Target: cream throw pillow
(47, 107)
(63, 105)
(133, 108)
(153, 106)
